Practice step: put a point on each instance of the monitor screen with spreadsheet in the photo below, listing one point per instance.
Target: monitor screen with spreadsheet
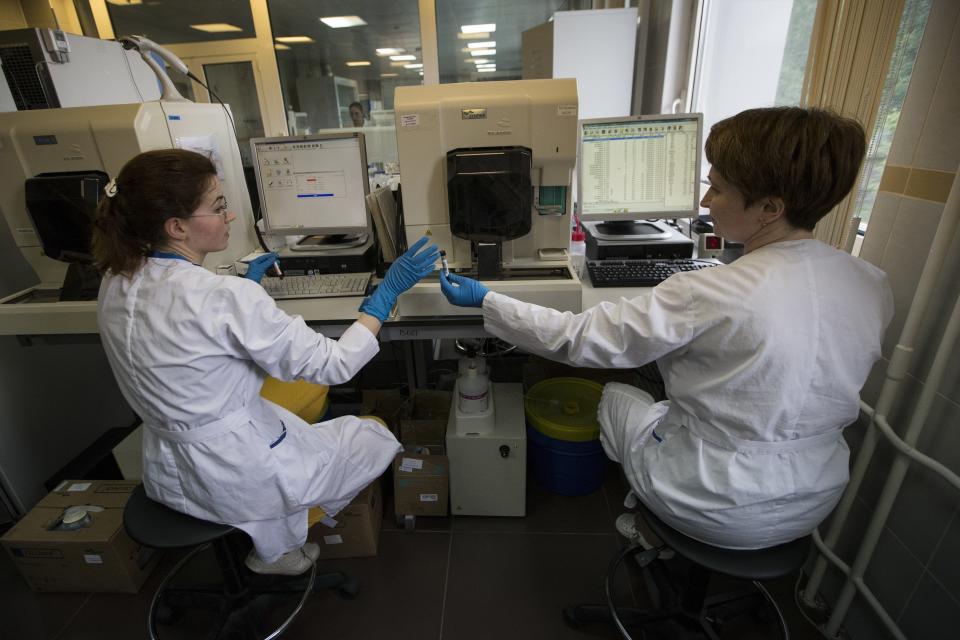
(312, 185)
(639, 167)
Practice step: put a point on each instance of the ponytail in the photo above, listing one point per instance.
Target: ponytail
(115, 249)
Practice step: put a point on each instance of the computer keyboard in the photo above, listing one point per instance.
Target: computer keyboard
(327, 285)
(640, 273)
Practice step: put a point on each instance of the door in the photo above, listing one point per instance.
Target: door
(235, 80)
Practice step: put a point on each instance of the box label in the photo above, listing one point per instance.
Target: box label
(92, 558)
(410, 464)
(333, 539)
(409, 119)
(79, 486)
(428, 497)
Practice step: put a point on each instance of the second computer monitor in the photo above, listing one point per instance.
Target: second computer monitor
(639, 167)
(312, 185)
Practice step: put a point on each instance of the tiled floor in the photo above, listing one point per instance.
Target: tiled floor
(452, 578)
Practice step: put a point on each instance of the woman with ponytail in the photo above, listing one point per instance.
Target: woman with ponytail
(190, 350)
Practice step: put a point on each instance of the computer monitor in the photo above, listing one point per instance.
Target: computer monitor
(312, 185)
(639, 167)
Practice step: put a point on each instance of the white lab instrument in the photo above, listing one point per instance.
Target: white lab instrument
(101, 140)
(486, 170)
(48, 68)
(488, 455)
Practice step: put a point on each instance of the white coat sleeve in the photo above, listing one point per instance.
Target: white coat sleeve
(283, 345)
(629, 333)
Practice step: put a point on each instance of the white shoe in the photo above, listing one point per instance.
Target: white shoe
(292, 563)
(627, 527)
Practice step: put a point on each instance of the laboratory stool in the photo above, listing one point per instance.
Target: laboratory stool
(688, 603)
(155, 525)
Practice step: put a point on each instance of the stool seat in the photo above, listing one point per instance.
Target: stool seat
(752, 564)
(155, 525)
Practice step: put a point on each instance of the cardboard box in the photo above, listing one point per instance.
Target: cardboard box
(98, 556)
(357, 530)
(386, 404)
(425, 422)
(129, 455)
(421, 485)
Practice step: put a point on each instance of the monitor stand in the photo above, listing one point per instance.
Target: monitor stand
(330, 242)
(629, 230)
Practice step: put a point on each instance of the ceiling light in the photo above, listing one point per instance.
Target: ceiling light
(358, 63)
(389, 75)
(123, 3)
(417, 65)
(478, 28)
(215, 27)
(477, 60)
(281, 47)
(482, 45)
(473, 36)
(339, 22)
(488, 64)
(399, 64)
(403, 57)
(486, 70)
(483, 52)
(389, 51)
(294, 39)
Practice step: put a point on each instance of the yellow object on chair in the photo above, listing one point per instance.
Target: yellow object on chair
(308, 401)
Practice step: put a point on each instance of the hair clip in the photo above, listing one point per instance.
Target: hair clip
(111, 188)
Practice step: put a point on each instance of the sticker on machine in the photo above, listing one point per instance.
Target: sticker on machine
(566, 110)
(332, 540)
(410, 120)
(429, 497)
(92, 558)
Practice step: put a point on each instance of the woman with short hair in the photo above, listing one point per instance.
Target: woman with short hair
(762, 359)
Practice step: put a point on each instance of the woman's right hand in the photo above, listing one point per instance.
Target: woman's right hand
(407, 270)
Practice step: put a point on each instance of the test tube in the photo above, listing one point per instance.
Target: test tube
(443, 262)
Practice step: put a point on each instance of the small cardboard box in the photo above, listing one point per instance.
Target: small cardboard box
(425, 422)
(421, 484)
(386, 404)
(357, 530)
(99, 556)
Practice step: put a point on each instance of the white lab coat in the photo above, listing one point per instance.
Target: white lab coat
(763, 360)
(190, 351)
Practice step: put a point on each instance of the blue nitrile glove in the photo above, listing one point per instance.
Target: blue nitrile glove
(258, 267)
(463, 292)
(406, 271)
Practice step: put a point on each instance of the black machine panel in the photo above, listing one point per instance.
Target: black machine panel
(490, 193)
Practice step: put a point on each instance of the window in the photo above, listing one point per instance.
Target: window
(343, 73)
(749, 54)
(909, 35)
(468, 53)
